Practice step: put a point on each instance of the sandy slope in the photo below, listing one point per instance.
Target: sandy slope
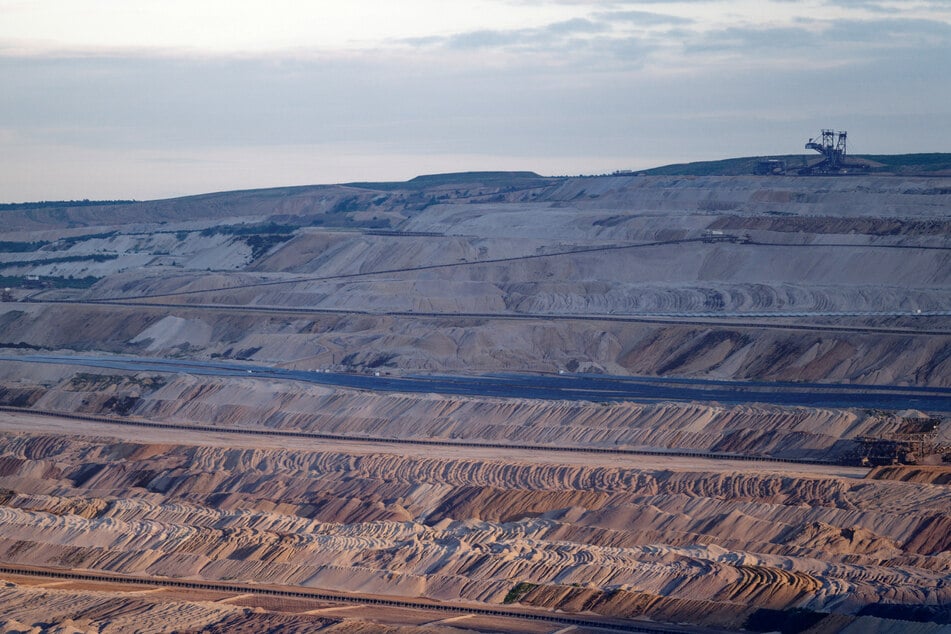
(769, 431)
(471, 529)
(46, 424)
(69, 610)
(724, 545)
(819, 246)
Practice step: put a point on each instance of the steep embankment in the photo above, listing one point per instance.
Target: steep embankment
(771, 278)
(562, 257)
(787, 432)
(457, 344)
(451, 529)
(94, 610)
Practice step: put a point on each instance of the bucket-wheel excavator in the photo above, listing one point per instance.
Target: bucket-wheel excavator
(832, 146)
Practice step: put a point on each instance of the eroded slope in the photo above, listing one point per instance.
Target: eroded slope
(450, 529)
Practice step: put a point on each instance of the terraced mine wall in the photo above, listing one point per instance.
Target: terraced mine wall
(667, 515)
(449, 529)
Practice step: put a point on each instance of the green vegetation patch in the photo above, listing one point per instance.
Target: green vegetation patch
(48, 281)
(345, 221)
(90, 382)
(21, 247)
(249, 229)
(261, 244)
(65, 243)
(726, 167)
(260, 237)
(906, 164)
(519, 591)
(501, 179)
(21, 345)
(927, 162)
(785, 621)
(91, 257)
(63, 203)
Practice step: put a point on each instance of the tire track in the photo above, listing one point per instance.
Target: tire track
(286, 433)
(687, 319)
(521, 258)
(322, 595)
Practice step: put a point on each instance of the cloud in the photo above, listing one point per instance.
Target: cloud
(750, 40)
(643, 18)
(609, 40)
(872, 6)
(545, 38)
(903, 32)
(826, 42)
(571, 27)
(610, 4)
(482, 39)
(593, 83)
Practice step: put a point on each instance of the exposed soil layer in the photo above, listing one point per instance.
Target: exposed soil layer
(451, 529)
(819, 251)
(98, 609)
(844, 280)
(362, 342)
(245, 403)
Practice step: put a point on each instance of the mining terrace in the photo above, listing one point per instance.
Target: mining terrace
(481, 402)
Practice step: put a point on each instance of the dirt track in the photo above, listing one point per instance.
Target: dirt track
(31, 423)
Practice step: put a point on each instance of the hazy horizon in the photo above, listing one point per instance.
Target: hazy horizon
(155, 100)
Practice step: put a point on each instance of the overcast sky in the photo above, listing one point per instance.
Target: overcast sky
(158, 98)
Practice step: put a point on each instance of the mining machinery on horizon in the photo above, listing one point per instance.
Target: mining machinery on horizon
(832, 146)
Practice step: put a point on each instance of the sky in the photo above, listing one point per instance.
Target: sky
(144, 99)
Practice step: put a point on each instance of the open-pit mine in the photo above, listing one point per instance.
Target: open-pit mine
(481, 402)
